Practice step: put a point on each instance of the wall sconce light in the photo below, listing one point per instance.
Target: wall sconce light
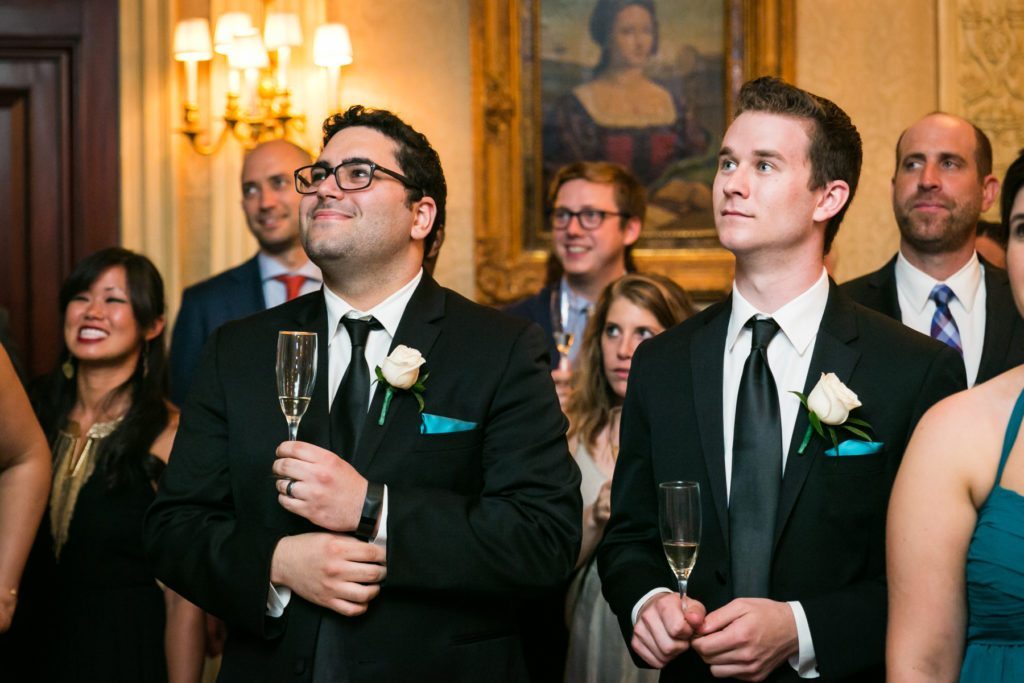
(258, 103)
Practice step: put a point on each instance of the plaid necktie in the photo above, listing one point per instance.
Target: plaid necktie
(943, 326)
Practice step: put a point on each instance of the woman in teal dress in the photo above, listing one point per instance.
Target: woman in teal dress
(956, 522)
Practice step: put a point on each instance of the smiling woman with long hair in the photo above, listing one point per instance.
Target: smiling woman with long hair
(632, 309)
(110, 428)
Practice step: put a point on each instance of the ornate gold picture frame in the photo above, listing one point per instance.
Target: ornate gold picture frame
(757, 40)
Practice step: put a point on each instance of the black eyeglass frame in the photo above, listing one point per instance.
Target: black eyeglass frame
(578, 215)
(374, 167)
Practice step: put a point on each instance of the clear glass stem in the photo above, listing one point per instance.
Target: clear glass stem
(293, 428)
(682, 590)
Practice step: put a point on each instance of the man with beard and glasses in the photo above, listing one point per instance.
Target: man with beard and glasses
(937, 284)
(279, 272)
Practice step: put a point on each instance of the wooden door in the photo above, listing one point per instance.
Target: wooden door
(59, 172)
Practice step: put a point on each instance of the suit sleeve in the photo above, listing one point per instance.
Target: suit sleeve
(190, 333)
(848, 625)
(521, 531)
(630, 558)
(197, 543)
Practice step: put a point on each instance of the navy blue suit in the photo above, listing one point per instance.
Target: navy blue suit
(205, 306)
(537, 308)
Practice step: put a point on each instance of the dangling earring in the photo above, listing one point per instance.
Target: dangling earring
(145, 360)
(68, 368)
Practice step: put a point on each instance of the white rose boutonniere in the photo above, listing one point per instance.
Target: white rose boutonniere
(828, 407)
(400, 371)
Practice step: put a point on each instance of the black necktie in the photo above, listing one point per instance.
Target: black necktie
(756, 468)
(348, 413)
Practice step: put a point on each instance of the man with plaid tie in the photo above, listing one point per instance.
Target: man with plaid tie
(937, 284)
(279, 272)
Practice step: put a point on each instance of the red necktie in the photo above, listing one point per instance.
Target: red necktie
(292, 284)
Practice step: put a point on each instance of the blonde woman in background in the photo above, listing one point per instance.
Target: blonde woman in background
(632, 309)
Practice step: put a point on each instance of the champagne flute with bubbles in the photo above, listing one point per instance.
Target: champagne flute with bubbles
(679, 520)
(296, 375)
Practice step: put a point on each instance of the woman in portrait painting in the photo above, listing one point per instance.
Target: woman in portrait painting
(621, 115)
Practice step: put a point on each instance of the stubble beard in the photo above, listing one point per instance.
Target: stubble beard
(939, 234)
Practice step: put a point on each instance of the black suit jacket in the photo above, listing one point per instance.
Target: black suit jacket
(205, 306)
(1004, 327)
(475, 518)
(829, 551)
(537, 308)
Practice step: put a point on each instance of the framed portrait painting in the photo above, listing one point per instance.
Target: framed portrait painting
(648, 84)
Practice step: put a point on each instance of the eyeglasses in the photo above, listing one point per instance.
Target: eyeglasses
(350, 175)
(589, 219)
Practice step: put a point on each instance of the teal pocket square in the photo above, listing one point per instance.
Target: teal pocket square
(439, 424)
(855, 447)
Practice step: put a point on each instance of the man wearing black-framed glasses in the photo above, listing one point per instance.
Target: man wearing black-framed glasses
(452, 479)
(597, 211)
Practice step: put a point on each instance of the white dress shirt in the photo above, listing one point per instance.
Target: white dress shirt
(913, 288)
(789, 357)
(275, 292)
(339, 352)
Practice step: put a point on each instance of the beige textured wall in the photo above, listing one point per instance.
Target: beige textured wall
(878, 60)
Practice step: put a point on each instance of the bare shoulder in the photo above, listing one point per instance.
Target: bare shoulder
(163, 444)
(962, 435)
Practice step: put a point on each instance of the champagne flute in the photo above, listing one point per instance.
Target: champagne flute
(559, 319)
(679, 520)
(296, 375)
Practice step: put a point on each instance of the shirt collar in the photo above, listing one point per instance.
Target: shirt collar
(271, 268)
(916, 285)
(799, 319)
(577, 303)
(388, 312)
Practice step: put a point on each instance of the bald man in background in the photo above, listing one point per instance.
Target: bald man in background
(279, 272)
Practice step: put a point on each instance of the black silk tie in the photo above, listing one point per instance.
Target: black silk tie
(756, 468)
(348, 413)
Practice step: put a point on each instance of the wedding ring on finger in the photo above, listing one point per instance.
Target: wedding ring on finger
(288, 488)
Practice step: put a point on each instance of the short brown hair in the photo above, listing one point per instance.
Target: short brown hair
(835, 148)
(982, 146)
(630, 195)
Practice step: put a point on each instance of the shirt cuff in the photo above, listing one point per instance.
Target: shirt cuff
(804, 662)
(381, 538)
(278, 598)
(642, 601)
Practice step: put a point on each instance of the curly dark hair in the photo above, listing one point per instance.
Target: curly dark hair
(1012, 185)
(124, 455)
(419, 162)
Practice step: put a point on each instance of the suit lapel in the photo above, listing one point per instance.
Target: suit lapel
(832, 353)
(888, 295)
(1000, 315)
(250, 287)
(706, 360)
(418, 329)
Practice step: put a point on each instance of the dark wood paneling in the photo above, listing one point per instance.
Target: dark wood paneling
(59, 169)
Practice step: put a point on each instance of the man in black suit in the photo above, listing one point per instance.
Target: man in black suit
(789, 580)
(942, 184)
(404, 558)
(280, 270)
